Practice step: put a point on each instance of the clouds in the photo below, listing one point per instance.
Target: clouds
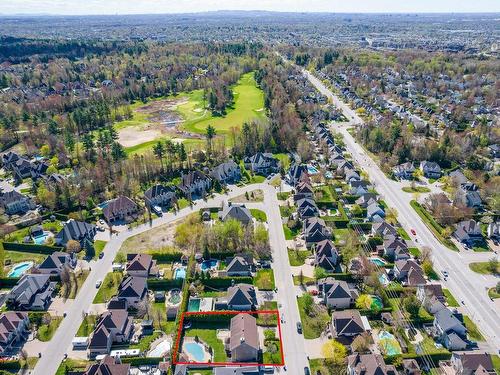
(186, 6)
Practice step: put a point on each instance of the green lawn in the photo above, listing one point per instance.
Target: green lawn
(109, 287)
(312, 326)
(404, 235)
(80, 279)
(87, 326)
(182, 203)
(416, 189)
(297, 258)
(284, 160)
(248, 104)
(415, 251)
(306, 280)
(472, 329)
(340, 235)
(71, 365)
(283, 196)
(492, 293)
(46, 331)
(264, 279)
(259, 215)
(433, 225)
(452, 302)
(99, 247)
(483, 268)
(209, 337)
(290, 234)
(496, 362)
(145, 342)
(18, 256)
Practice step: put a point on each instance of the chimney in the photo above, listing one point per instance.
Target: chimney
(242, 340)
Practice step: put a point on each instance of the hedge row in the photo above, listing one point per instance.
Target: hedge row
(164, 284)
(344, 276)
(339, 223)
(167, 257)
(10, 365)
(225, 282)
(31, 248)
(434, 357)
(210, 318)
(8, 282)
(365, 227)
(142, 361)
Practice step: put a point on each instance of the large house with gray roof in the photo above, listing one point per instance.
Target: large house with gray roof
(160, 195)
(56, 262)
(133, 289)
(14, 203)
(32, 292)
(369, 364)
(262, 163)
(112, 327)
(244, 338)
(13, 329)
(336, 293)
(77, 231)
(226, 173)
(236, 211)
(240, 297)
(120, 209)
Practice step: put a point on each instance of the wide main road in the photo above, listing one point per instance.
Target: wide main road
(466, 285)
(293, 343)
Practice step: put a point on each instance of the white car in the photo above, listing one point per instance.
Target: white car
(98, 283)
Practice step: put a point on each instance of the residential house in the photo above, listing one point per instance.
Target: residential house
(295, 172)
(494, 230)
(468, 363)
(303, 190)
(240, 297)
(315, 230)
(349, 323)
(9, 158)
(404, 171)
(351, 175)
(244, 339)
(13, 328)
(428, 292)
(439, 199)
(133, 289)
(161, 196)
(32, 292)
(384, 229)
(494, 150)
(468, 232)
(112, 327)
(262, 163)
(239, 265)
(450, 330)
(411, 367)
(430, 169)
(77, 231)
(226, 173)
(236, 211)
(368, 364)
(108, 366)
(195, 184)
(409, 272)
(120, 209)
(468, 196)
(141, 265)
(56, 262)
(15, 203)
(375, 213)
(307, 208)
(366, 199)
(395, 248)
(359, 187)
(326, 255)
(336, 293)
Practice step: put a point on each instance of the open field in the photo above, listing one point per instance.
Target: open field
(175, 117)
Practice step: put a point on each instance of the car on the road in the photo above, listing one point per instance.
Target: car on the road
(306, 371)
(445, 273)
(413, 232)
(101, 255)
(98, 283)
(299, 327)
(101, 221)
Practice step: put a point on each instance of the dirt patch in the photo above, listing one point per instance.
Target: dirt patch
(253, 196)
(153, 239)
(133, 136)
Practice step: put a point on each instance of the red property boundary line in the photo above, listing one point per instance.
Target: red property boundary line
(187, 314)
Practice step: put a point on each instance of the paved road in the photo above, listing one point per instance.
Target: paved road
(293, 345)
(465, 285)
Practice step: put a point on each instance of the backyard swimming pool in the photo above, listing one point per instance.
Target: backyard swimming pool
(384, 280)
(19, 269)
(40, 240)
(180, 273)
(194, 304)
(378, 261)
(195, 350)
(388, 343)
(312, 170)
(209, 264)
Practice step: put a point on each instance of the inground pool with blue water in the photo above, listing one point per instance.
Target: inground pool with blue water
(209, 264)
(195, 350)
(40, 240)
(19, 269)
(180, 273)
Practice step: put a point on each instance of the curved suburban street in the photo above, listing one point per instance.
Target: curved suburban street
(465, 285)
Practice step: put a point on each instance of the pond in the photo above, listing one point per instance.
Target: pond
(19, 269)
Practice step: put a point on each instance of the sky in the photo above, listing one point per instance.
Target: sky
(78, 7)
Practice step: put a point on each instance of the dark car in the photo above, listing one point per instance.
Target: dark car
(306, 371)
(101, 255)
(299, 327)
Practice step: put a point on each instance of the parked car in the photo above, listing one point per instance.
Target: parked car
(413, 232)
(98, 283)
(299, 327)
(101, 255)
(306, 371)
